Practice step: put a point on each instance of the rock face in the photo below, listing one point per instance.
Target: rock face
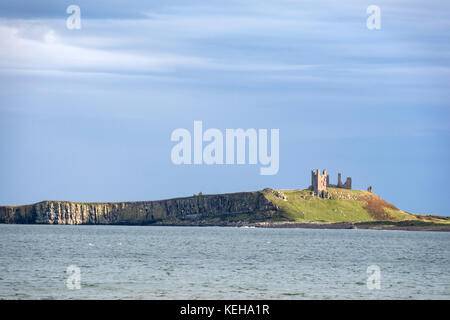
(172, 211)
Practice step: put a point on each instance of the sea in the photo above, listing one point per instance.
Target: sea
(161, 262)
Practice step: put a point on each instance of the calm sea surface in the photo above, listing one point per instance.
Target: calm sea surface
(131, 262)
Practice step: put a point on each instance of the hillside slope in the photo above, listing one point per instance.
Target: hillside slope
(343, 206)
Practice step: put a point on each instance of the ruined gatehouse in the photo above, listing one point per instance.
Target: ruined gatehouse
(321, 181)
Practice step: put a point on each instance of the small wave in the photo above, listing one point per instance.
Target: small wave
(91, 285)
(289, 294)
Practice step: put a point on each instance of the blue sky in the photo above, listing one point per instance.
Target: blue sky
(86, 115)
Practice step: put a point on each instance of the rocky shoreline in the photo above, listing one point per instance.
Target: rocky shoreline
(291, 225)
(349, 225)
(313, 225)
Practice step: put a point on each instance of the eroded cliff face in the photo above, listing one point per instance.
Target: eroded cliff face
(172, 211)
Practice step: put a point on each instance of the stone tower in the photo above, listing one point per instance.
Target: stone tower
(319, 182)
(346, 185)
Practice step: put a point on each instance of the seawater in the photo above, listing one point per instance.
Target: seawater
(148, 262)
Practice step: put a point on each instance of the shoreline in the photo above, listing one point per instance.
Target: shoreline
(315, 225)
(358, 225)
(275, 225)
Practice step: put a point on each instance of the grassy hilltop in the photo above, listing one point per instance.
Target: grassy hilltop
(343, 206)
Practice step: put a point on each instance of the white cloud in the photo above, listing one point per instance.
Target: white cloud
(274, 37)
(24, 48)
(51, 53)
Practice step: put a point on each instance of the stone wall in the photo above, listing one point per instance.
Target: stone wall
(346, 185)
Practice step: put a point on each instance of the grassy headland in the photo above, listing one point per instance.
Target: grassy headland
(267, 208)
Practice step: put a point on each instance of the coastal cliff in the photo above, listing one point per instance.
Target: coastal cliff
(266, 208)
(189, 209)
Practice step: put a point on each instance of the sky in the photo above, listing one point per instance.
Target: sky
(87, 114)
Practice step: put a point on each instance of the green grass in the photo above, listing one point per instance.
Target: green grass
(302, 207)
(343, 206)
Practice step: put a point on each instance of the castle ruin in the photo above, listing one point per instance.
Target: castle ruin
(321, 181)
